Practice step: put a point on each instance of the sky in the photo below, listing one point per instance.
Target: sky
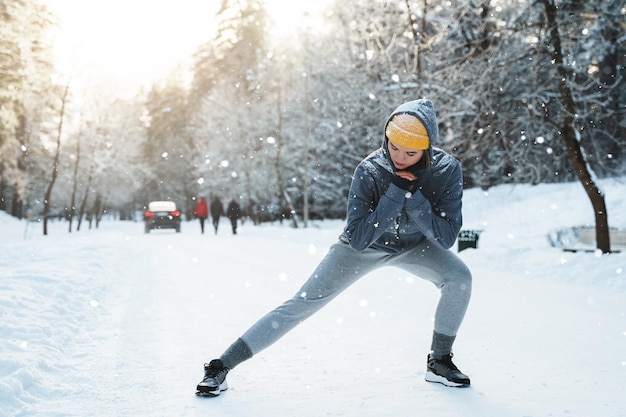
(117, 46)
(122, 45)
(116, 322)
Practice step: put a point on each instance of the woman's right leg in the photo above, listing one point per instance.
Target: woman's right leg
(341, 267)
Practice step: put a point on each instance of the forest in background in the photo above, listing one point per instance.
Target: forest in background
(282, 123)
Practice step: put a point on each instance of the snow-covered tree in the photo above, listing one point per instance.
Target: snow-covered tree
(27, 94)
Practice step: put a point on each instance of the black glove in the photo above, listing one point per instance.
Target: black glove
(404, 183)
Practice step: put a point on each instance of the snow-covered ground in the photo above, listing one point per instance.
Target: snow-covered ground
(115, 322)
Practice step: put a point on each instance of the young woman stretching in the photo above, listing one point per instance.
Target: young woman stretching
(404, 210)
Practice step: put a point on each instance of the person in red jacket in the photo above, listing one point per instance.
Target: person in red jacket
(202, 212)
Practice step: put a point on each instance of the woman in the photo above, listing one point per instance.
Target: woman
(404, 210)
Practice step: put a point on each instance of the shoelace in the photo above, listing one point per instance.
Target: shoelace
(447, 361)
(214, 373)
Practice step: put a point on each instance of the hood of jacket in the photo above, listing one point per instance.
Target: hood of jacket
(424, 110)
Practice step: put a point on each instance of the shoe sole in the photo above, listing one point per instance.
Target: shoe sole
(433, 377)
(214, 393)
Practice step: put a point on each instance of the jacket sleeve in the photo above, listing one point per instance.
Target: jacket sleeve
(440, 219)
(368, 217)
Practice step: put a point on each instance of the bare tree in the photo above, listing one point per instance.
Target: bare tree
(72, 208)
(55, 164)
(571, 136)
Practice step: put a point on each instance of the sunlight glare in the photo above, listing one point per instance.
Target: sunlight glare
(288, 15)
(121, 44)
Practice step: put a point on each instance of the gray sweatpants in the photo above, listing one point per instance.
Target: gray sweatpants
(343, 266)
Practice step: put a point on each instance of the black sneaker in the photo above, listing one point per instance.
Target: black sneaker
(214, 381)
(445, 372)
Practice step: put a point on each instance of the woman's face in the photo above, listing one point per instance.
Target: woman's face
(404, 157)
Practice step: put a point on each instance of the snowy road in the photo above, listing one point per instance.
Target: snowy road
(115, 322)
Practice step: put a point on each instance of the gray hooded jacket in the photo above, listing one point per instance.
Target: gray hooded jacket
(383, 216)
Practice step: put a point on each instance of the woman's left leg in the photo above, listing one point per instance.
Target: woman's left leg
(446, 270)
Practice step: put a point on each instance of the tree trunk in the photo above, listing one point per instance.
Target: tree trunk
(99, 210)
(55, 167)
(75, 185)
(95, 211)
(283, 192)
(81, 211)
(571, 137)
(417, 39)
(307, 133)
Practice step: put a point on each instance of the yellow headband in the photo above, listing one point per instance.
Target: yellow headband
(408, 131)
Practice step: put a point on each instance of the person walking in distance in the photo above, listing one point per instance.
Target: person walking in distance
(233, 211)
(217, 209)
(404, 210)
(202, 212)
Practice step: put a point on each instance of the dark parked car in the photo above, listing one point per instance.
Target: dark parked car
(162, 215)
